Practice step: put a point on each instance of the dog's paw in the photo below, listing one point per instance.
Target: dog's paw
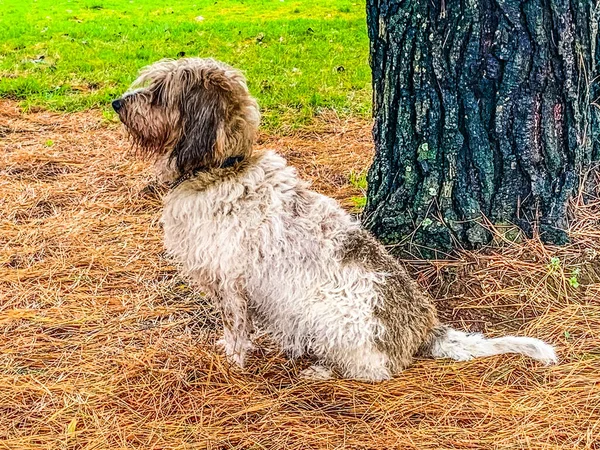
(235, 350)
(316, 372)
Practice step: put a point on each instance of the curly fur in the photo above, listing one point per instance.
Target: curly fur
(272, 252)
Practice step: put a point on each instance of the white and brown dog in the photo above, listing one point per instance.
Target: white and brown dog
(252, 235)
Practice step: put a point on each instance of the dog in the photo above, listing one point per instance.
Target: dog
(253, 236)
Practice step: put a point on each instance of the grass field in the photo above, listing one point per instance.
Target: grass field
(300, 56)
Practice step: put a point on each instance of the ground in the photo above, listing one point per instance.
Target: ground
(102, 345)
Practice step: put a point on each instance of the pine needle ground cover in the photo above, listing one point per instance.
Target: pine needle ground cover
(103, 346)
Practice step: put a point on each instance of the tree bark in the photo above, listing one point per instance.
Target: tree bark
(483, 108)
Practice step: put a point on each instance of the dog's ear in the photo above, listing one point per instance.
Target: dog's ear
(203, 114)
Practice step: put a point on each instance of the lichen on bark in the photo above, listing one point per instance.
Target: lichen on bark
(482, 109)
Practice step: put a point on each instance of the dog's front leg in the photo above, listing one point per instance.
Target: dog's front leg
(237, 326)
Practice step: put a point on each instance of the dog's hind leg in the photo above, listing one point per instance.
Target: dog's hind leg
(317, 372)
(364, 363)
(237, 326)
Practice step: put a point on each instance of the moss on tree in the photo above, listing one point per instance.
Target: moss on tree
(482, 108)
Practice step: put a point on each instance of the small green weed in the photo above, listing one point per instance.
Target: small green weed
(359, 181)
(574, 279)
(555, 266)
(359, 202)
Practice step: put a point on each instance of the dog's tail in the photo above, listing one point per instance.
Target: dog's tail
(446, 342)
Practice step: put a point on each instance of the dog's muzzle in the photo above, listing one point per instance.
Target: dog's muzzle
(117, 105)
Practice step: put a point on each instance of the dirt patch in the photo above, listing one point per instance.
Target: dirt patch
(102, 345)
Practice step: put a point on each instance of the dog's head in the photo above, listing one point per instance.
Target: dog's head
(195, 112)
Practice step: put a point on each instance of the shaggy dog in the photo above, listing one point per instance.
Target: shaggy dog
(252, 235)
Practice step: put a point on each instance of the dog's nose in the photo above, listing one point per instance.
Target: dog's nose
(117, 105)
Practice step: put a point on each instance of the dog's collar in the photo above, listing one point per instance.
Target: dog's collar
(229, 162)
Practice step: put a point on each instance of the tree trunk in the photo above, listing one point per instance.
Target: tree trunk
(483, 108)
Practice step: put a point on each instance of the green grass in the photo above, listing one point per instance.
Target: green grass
(299, 56)
(359, 181)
